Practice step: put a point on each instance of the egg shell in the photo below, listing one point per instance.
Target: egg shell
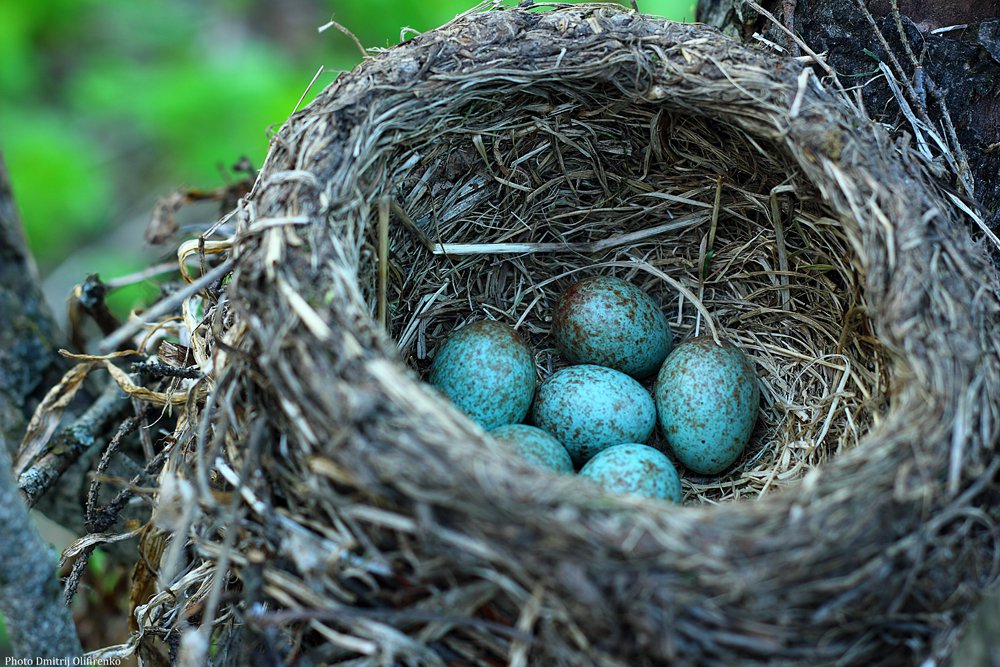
(488, 372)
(535, 446)
(588, 408)
(636, 469)
(707, 401)
(610, 322)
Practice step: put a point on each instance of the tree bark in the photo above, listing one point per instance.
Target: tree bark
(39, 624)
(948, 56)
(29, 362)
(29, 366)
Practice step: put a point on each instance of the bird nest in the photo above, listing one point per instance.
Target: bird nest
(320, 504)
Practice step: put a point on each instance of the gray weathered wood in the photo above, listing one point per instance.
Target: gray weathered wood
(39, 624)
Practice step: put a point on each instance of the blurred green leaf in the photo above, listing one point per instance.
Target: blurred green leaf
(107, 102)
(191, 115)
(377, 23)
(60, 181)
(26, 30)
(675, 10)
(17, 68)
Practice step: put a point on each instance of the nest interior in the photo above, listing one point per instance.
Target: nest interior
(505, 210)
(320, 503)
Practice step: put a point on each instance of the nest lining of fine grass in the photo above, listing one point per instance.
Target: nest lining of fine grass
(319, 503)
(690, 212)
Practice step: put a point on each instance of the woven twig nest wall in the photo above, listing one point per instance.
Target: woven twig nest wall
(322, 505)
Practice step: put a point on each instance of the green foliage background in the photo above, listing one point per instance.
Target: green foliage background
(106, 103)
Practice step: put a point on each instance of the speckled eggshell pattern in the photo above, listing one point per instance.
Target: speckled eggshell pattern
(588, 408)
(707, 400)
(488, 372)
(610, 322)
(636, 469)
(535, 446)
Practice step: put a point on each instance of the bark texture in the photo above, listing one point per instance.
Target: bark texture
(955, 44)
(28, 360)
(30, 600)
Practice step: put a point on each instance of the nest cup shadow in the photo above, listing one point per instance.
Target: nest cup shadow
(540, 147)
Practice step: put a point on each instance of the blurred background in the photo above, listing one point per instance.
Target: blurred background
(108, 105)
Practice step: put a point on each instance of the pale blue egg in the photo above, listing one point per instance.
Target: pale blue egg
(707, 401)
(636, 469)
(610, 322)
(535, 446)
(488, 372)
(588, 408)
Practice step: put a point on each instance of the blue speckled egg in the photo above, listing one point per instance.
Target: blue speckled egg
(707, 400)
(610, 322)
(637, 469)
(488, 372)
(588, 408)
(535, 446)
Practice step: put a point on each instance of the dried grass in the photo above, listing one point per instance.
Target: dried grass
(322, 505)
(695, 225)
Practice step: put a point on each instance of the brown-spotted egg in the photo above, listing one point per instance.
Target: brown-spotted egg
(610, 322)
(535, 446)
(637, 469)
(488, 372)
(707, 400)
(588, 408)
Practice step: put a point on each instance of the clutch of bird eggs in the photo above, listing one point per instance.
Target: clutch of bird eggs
(630, 410)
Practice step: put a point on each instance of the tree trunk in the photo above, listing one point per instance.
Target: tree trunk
(29, 364)
(948, 69)
(39, 624)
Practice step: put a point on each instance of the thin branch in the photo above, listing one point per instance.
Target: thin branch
(100, 519)
(681, 222)
(71, 443)
(960, 163)
(816, 58)
(357, 42)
